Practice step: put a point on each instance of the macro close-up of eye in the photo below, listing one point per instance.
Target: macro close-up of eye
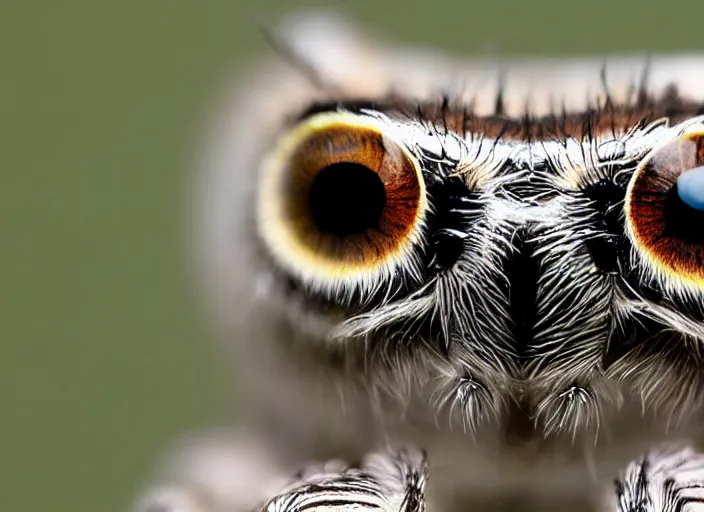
(341, 199)
(665, 208)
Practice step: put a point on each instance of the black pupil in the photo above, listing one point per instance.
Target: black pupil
(681, 220)
(346, 198)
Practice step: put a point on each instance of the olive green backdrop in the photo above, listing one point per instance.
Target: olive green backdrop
(101, 359)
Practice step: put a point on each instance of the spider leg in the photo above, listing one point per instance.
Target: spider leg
(220, 473)
(667, 480)
(383, 482)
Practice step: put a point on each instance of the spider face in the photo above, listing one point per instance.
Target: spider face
(515, 254)
(524, 262)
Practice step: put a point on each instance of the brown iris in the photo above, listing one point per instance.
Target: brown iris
(344, 196)
(668, 231)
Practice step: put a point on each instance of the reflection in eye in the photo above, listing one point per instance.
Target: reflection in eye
(690, 186)
(340, 198)
(665, 208)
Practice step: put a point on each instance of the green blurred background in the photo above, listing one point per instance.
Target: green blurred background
(102, 362)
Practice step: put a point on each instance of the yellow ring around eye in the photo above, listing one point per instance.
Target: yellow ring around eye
(664, 230)
(341, 199)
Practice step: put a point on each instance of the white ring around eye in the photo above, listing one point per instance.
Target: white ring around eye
(277, 229)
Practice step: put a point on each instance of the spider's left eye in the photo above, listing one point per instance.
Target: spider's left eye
(665, 208)
(341, 201)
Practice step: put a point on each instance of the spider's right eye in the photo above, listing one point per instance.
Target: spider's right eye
(341, 200)
(665, 209)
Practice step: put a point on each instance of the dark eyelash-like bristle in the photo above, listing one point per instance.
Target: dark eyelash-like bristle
(499, 101)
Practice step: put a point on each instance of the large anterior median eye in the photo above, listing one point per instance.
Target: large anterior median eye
(341, 200)
(665, 210)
